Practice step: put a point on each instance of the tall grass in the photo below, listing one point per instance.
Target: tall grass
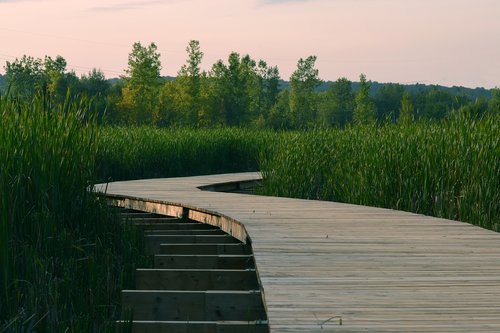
(447, 169)
(62, 253)
(148, 152)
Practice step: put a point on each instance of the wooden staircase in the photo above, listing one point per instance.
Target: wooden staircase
(203, 280)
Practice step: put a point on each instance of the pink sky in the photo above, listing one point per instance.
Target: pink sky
(449, 42)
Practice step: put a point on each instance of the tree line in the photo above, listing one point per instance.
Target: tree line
(239, 92)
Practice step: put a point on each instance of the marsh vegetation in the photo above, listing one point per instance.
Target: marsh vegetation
(64, 256)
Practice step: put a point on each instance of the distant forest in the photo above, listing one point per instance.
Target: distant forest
(238, 92)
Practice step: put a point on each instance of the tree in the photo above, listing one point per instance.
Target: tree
(267, 94)
(237, 86)
(279, 116)
(338, 104)
(364, 111)
(388, 101)
(189, 80)
(94, 83)
(303, 102)
(142, 84)
(54, 70)
(95, 86)
(494, 103)
(3, 84)
(24, 75)
(406, 110)
(433, 103)
(28, 76)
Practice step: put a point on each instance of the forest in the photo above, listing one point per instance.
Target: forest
(240, 92)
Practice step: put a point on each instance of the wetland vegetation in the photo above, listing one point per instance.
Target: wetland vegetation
(64, 256)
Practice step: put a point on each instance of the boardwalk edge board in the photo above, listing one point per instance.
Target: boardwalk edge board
(191, 294)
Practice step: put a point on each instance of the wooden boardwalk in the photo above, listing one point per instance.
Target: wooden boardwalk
(379, 270)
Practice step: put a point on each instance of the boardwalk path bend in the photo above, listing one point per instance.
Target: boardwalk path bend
(380, 270)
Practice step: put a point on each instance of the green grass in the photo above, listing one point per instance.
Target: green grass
(148, 152)
(447, 169)
(64, 257)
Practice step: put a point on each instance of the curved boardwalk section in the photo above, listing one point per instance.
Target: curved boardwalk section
(377, 270)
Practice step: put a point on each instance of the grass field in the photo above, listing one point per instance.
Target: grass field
(148, 152)
(446, 169)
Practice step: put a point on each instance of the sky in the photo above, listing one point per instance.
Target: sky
(447, 42)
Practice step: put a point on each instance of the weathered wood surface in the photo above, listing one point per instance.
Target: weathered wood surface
(380, 270)
(204, 261)
(196, 279)
(197, 327)
(185, 305)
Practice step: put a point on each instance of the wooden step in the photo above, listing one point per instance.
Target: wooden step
(159, 219)
(185, 232)
(211, 249)
(175, 226)
(204, 261)
(196, 326)
(196, 279)
(191, 239)
(193, 305)
(139, 215)
(152, 242)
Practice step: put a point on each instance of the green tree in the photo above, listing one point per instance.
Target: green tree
(28, 76)
(265, 93)
(141, 89)
(279, 116)
(303, 101)
(54, 80)
(189, 81)
(406, 110)
(494, 103)
(337, 106)
(166, 112)
(24, 76)
(237, 86)
(388, 101)
(364, 111)
(114, 97)
(433, 103)
(95, 86)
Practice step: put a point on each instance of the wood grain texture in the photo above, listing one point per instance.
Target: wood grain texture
(380, 270)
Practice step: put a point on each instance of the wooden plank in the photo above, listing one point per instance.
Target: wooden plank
(204, 261)
(184, 232)
(196, 279)
(174, 226)
(185, 305)
(195, 327)
(380, 270)
(209, 249)
(160, 219)
(139, 215)
(192, 239)
(152, 242)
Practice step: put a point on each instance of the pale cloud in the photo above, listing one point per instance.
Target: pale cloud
(273, 2)
(132, 5)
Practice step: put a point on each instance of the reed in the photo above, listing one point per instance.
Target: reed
(148, 152)
(64, 256)
(447, 169)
